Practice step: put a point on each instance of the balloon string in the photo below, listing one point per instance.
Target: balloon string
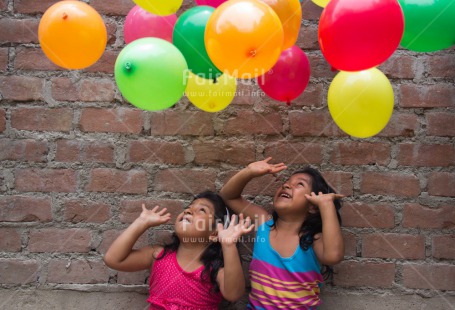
(65, 16)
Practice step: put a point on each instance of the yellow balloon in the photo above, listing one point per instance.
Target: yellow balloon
(361, 103)
(160, 7)
(208, 95)
(321, 3)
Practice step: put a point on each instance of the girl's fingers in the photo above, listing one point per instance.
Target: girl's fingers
(249, 229)
(144, 208)
(219, 227)
(162, 211)
(154, 209)
(267, 159)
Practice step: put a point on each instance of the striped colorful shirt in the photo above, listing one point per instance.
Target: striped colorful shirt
(283, 282)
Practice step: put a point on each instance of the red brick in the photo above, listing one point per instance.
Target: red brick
(42, 119)
(21, 88)
(417, 216)
(320, 68)
(357, 274)
(426, 96)
(54, 240)
(264, 186)
(441, 184)
(247, 94)
(111, 28)
(25, 209)
(401, 124)
(184, 181)
(117, 181)
(444, 246)
(111, 120)
(390, 184)
(23, 150)
(77, 211)
(313, 96)
(222, 151)
(442, 66)
(118, 7)
(131, 209)
(350, 244)
(2, 120)
(294, 152)
(46, 180)
(84, 151)
(393, 246)
(361, 153)
(10, 240)
(367, 215)
(341, 182)
(157, 152)
(3, 58)
(172, 123)
(400, 67)
(32, 6)
(441, 124)
(33, 59)
(308, 37)
(310, 11)
(110, 236)
(88, 90)
(426, 155)
(105, 64)
(434, 277)
(313, 123)
(131, 278)
(14, 271)
(77, 271)
(249, 122)
(19, 30)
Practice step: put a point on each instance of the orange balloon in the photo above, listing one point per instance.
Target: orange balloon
(72, 34)
(290, 14)
(244, 38)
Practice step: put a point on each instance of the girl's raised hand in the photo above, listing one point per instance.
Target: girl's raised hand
(154, 217)
(322, 199)
(232, 233)
(262, 167)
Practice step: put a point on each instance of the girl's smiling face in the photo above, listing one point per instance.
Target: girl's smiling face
(290, 197)
(197, 220)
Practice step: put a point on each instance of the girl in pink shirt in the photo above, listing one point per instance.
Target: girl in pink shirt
(199, 267)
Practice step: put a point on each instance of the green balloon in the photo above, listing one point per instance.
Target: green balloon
(151, 74)
(188, 37)
(429, 24)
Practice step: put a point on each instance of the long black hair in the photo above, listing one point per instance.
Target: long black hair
(313, 223)
(212, 258)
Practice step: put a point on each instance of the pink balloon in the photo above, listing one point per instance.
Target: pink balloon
(213, 3)
(289, 77)
(141, 24)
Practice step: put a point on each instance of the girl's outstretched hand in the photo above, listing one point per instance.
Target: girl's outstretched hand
(262, 167)
(232, 233)
(154, 217)
(322, 199)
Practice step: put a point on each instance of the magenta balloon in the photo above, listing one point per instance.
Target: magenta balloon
(213, 3)
(289, 77)
(141, 24)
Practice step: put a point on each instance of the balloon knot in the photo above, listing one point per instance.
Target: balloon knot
(288, 103)
(65, 16)
(253, 53)
(128, 66)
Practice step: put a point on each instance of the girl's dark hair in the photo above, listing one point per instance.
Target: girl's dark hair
(313, 223)
(212, 258)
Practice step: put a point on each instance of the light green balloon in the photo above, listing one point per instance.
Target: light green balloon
(151, 74)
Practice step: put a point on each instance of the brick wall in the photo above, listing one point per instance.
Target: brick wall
(77, 161)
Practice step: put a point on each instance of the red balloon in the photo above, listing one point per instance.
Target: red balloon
(289, 77)
(357, 35)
